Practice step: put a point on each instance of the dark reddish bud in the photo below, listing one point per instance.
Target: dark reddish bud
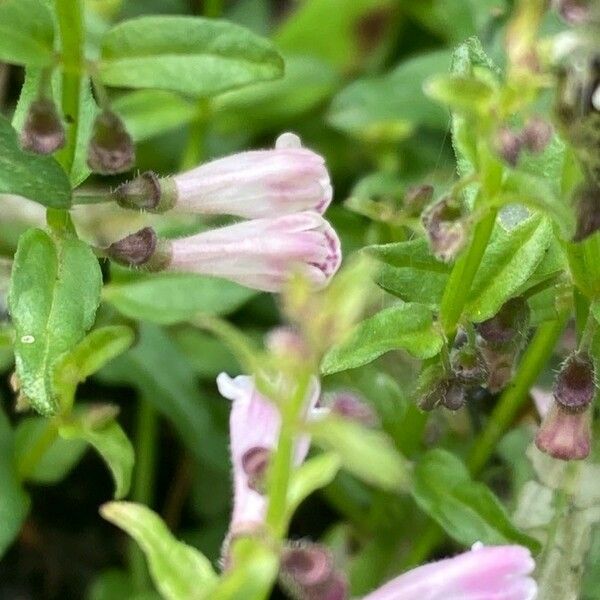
(508, 144)
(417, 197)
(536, 134)
(564, 434)
(575, 385)
(147, 192)
(574, 12)
(141, 249)
(443, 222)
(43, 132)
(507, 325)
(587, 207)
(468, 365)
(349, 406)
(255, 463)
(308, 572)
(111, 148)
(456, 395)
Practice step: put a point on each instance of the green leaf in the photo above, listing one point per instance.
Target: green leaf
(90, 355)
(262, 106)
(403, 326)
(26, 32)
(192, 55)
(14, 502)
(391, 106)
(179, 571)
(522, 188)
(366, 453)
(164, 377)
(109, 440)
(36, 177)
(314, 474)
(57, 460)
(336, 40)
(509, 260)
(410, 271)
(54, 293)
(148, 113)
(117, 583)
(467, 510)
(174, 297)
(460, 92)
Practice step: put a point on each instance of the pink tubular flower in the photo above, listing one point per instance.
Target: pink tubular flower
(254, 431)
(261, 253)
(258, 183)
(253, 184)
(492, 573)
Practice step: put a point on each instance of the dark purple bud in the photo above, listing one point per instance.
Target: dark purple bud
(456, 396)
(309, 573)
(508, 144)
(417, 197)
(141, 249)
(574, 12)
(255, 463)
(443, 222)
(575, 385)
(564, 434)
(111, 148)
(507, 325)
(536, 134)
(587, 208)
(147, 192)
(349, 406)
(468, 365)
(43, 132)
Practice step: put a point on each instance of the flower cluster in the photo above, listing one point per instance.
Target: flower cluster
(283, 192)
(307, 569)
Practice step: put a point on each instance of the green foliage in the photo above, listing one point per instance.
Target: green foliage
(468, 511)
(35, 177)
(26, 32)
(54, 293)
(169, 52)
(179, 571)
(174, 297)
(404, 326)
(14, 503)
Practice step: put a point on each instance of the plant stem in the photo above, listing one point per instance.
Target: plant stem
(280, 471)
(535, 357)
(193, 152)
(70, 24)
(143, 484)
(29, 460)
(463, 273)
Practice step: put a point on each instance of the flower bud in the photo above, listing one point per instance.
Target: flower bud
(287, 343)
(507, 325)
(565, 434)
(445, 229)
(111, 148)
(141, 249)
(417, 197)
(456, 396)
(432, 387)
(587, 201)
(349, 405)
(468, 365)
(574, 12)
(536, 134)
(145, 192)
(43, 132)
(500, 363)
(575, 386)
(308, 572)
(508, 145)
